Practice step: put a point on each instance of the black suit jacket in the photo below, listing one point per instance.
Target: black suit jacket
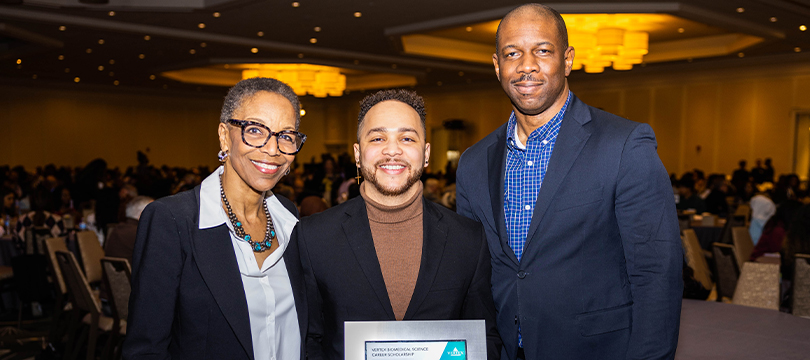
(345, 283)
(600, 274)
(187, 298)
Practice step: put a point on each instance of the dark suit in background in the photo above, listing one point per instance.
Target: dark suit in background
(202, 304)
(345, 282)
(600, 275)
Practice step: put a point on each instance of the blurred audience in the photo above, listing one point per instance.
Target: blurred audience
(775, 230)
(121, 238)
(762, 208)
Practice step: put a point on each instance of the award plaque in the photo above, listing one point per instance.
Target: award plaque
(415, 340)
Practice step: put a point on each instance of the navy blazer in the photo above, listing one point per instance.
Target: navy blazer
(187, 298)
(344, 281)
(600, 275)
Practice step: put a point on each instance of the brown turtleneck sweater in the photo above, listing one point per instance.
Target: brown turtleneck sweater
(397, 234)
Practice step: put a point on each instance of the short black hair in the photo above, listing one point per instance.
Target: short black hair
(407, 97)
(538, 9)
(245, 89)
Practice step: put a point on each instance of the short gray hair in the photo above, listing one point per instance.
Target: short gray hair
(245, 89)
(136, 205)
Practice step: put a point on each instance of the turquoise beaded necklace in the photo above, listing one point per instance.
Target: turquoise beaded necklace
(270, 231)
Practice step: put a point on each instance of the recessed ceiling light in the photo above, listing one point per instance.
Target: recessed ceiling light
(296, 4)
(681, 30)
(740, 54)
(460, 73)
(802, 27)
(116, 82)
(89, 50)
(141, 56)
(317, 29)
(151, 77)
(34, 76)
(201, 25)
(302, 112)
(147, 38)
(797, 49)
(358, 14)
(740, 10)
(192, 51)
(112, 61)
(101, 41)
(203, 44)
(254, 50)
(313, 40)
(100, 68)
(111, 13)
(773, 19)
(469, 28)
(300, 55)
(62, 28)
(260, 33)
(61, 57)
(217, 14)
(19, 61)
(76, 79)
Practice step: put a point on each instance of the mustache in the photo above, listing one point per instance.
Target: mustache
(525, 77)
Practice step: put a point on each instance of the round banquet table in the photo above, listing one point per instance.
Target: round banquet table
(712, 330)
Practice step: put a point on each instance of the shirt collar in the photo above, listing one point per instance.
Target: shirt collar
(211, 213)
(513, 141)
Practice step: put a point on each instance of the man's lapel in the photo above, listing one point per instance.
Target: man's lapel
(496, 168)
(434, 236)
(357, 230)
(216, 261)
(570, 141)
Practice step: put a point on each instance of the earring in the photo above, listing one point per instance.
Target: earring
(288, 172)
(358, 174)
(221, 155)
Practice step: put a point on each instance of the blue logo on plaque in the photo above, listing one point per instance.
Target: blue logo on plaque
(455, 350)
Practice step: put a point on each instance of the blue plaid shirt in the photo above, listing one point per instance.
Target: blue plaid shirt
(525, 169)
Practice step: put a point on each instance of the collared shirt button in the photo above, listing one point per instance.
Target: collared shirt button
(529, 163)
(528, 207)
(545, 142)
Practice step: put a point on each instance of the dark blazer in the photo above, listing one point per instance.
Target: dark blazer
(600, 275)
(345, 283)
(187, 298)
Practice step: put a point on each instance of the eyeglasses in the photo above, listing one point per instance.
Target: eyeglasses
(257, 135)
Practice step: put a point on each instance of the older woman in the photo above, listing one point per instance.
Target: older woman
(214, 275)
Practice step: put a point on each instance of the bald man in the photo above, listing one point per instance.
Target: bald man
(578, 212)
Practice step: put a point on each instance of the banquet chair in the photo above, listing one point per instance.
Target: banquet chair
(695, 258)
(91, 253)
(116, 276)
(743, 213)
(34, 238)
(85, 302)
(758, 286)
(743, 246)
(726, 269)
(62, 305)
(801, 286)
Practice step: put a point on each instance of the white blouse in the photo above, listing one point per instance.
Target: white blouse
(273, 319)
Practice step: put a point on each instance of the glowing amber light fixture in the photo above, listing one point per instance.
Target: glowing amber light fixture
(607, 40)
(317, 80)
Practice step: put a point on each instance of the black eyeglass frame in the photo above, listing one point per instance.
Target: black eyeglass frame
(244, 123)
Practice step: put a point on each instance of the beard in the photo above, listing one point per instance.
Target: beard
(370, 175)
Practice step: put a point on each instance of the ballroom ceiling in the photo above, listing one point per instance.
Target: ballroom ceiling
(141, 44)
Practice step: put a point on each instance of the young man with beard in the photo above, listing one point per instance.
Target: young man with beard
(578, 211)
(389, 254)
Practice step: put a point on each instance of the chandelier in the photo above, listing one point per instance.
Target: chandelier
(608, 46)
(316, 80)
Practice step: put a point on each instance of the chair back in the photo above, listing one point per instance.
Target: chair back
(725, 266)
(743, 213)
(695, 258)
(801, 286)
(117, 276)
(758, 286)
(35, 239)
(91, 252)
(52, 245)
(77, 286)
(743, 246)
